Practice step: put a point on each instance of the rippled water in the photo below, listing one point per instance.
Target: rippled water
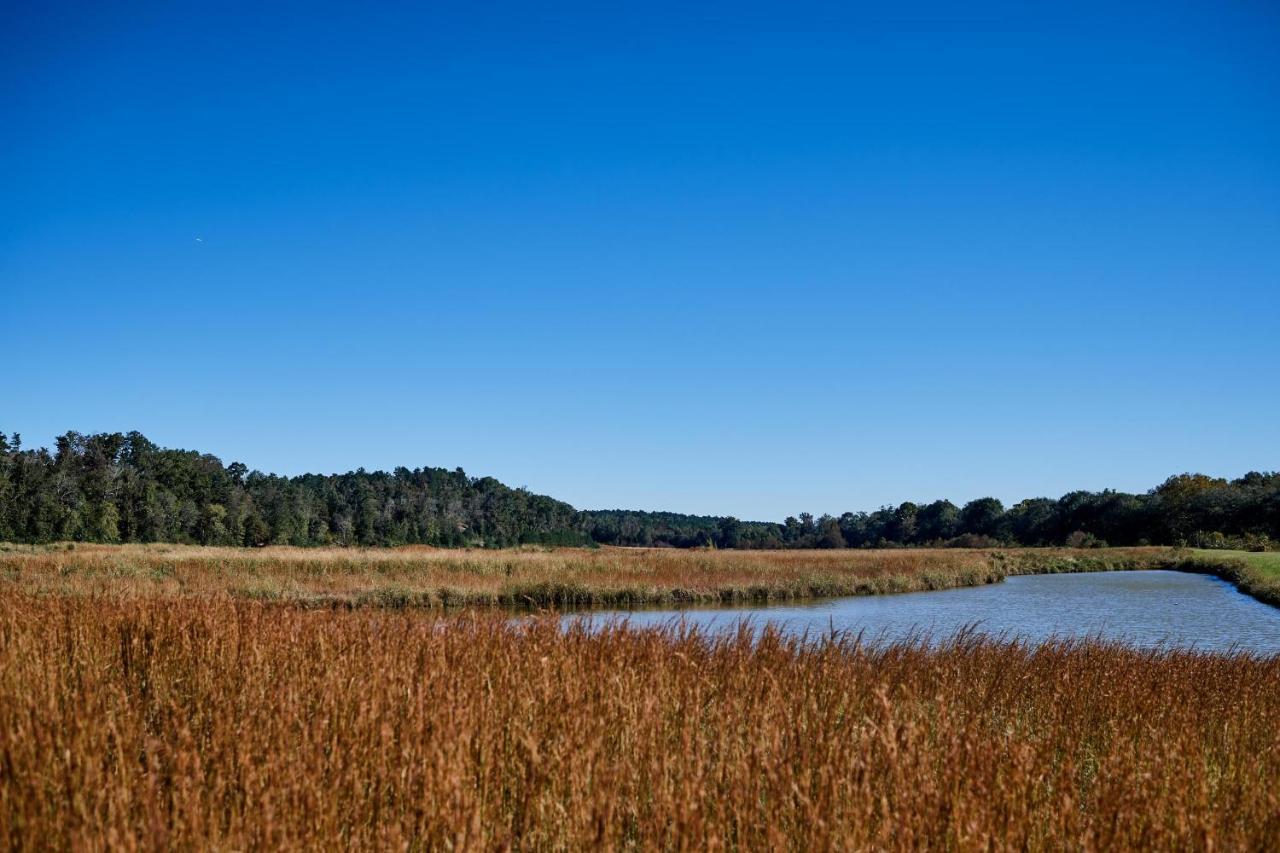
(1147, 609)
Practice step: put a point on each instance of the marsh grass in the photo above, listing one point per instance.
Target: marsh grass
(562, 578)
(163, 723)
(1256, 574)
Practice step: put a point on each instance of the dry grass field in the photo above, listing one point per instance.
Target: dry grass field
(140, 722)
(564, 577)
(161, 697)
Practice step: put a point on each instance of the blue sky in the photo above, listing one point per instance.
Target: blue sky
(749, 258)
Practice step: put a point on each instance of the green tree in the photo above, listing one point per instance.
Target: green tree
(938, 521)
(106, 525)
(256, 532)
(982, 517)
(213, 524)
(829, 535)
(905, 523)
(730, 533)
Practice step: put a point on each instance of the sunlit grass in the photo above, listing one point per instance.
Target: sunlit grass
(1268, 562)
(1256, 573)
(223, 724)
(541, 577)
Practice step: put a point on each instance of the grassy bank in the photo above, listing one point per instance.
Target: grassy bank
(1257, 574)
(229, 724)
(565, 577)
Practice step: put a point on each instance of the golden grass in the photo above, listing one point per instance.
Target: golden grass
(182, 722)
(564, 577)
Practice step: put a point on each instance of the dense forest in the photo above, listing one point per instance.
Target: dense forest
(1186, 509)
(123, 488)
(115, 487)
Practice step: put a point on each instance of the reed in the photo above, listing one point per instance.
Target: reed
(564, 577)
(155, 723)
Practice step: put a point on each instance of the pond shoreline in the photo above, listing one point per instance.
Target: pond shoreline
(1233, 571)
(1236, 571)
(1152, 609)
(570, 578)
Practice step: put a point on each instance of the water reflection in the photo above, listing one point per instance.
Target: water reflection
(1147, 609)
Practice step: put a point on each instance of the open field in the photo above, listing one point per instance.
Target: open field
(564, 577)
(1265, 564)
(177, 696)
(236, 724)
(1257, 574)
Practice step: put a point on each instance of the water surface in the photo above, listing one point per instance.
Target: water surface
(1147, 609)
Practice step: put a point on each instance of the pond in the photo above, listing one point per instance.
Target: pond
(1146, 609)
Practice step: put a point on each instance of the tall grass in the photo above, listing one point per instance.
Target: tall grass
(141, 722)
(566, 577)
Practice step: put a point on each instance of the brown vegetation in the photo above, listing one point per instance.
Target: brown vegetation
(562, 577)
(233, 724)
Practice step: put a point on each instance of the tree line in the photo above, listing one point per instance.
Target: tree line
(1191, 509)
(116, 487)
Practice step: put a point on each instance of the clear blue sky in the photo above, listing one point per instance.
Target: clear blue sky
(750, 259)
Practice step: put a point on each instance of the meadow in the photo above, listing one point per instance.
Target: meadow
(161, 696)
(219, 723)
(423, 577)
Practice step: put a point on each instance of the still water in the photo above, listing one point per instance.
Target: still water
(1147, 609)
